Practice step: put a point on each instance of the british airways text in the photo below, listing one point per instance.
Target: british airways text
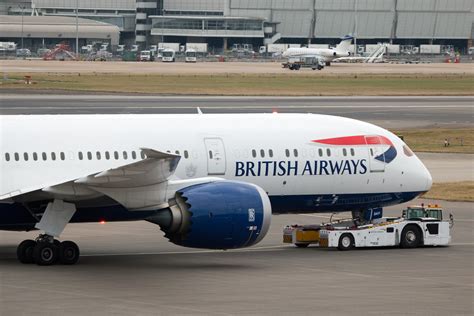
(295, 168)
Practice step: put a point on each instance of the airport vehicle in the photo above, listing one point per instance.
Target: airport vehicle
(326, 54)
(168, 56)
(295, 63)
(208, 180)
(6, 47)
(23, 52)
(418, 226)
(146, 55)
(197, 47)
(190, 56)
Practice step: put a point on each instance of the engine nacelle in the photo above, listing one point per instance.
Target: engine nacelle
(217, 215)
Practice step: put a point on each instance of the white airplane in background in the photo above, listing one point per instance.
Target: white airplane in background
(326, 54)
(208, 180)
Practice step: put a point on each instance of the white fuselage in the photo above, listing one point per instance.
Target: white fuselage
(278, 152)
(327, 54)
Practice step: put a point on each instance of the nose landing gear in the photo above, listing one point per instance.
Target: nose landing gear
(47, 251)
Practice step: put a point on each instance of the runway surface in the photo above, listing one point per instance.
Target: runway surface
(117, 67)
(130, 269)
(389, 112)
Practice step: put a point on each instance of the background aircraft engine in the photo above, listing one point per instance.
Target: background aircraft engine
(217, 215)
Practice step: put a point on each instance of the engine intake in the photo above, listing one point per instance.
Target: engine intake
(217, 215)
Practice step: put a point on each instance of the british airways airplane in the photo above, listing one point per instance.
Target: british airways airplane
(208, 180)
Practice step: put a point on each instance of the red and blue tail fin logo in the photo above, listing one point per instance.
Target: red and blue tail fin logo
(363, 140)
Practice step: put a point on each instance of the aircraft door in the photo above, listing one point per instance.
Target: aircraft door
(216, 162)
(376, 153)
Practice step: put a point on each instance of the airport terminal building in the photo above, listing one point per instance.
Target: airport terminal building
(260, 22)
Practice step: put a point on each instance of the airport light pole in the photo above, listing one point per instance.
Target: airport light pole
(355, 28)
(77, 29)
(22, 10)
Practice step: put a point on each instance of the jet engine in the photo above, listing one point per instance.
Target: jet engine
(216, 215)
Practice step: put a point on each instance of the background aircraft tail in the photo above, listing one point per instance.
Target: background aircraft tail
(345, 43)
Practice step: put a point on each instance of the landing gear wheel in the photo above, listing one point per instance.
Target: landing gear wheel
(68, 253)
(411, 237)
(24, 252)
(301, 245)
(346, 242)
(45, 253)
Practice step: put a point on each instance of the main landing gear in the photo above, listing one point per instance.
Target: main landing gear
(46, 251)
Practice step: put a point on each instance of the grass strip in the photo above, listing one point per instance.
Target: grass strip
(452, 191)
(250, 84)
(461, 140)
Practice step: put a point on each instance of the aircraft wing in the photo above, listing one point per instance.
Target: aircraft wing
(124, 184)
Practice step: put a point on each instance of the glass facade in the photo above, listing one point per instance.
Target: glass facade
(217, 25)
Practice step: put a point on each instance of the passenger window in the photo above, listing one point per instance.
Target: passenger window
(177, 152)
(116, 155)
(98, 155)
(186, 154)
(61, 154)
(295, 152)
(35, 156)
(344, 152)
(142, 154)
(262, 153)
(53, 156)
(44, 156)
(81, 156)
(328, 152)
(320, 152)
(7, 156)
(287, 153)
(270, 153)
(107, 155)
(89, 155)
(25, 156)
(254, 153)
(371, 152)
(125, 156)
(134, 155)
(352, 152)
(210, 154)
(17, 157)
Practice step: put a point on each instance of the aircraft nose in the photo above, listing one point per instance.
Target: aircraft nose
(424, 177)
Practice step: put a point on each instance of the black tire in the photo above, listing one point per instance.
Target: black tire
(45, 253)
(410, 237)
(24, 252)
(68, 253)
(346, 242)
(301, 245)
